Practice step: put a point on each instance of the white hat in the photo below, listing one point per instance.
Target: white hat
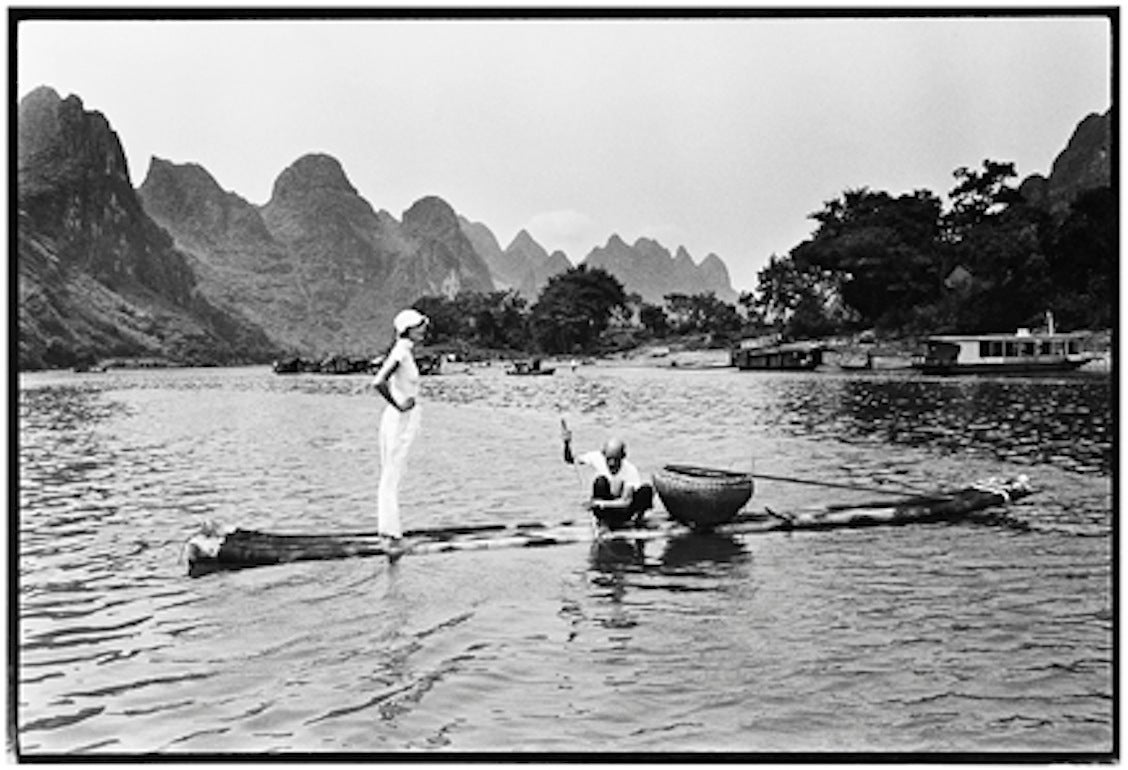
(405, 319)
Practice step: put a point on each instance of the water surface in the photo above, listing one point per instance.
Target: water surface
(930, 638)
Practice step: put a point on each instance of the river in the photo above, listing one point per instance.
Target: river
(991, 640)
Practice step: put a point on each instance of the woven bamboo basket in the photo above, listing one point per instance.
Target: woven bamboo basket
(702, 498)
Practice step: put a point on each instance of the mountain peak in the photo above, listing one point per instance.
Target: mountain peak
(526, 244)
(431, 213)
(523, 240)
(187, 201)
(161, 170)
(60, 137)
(42, 96)
(310, 173)
(715, 273)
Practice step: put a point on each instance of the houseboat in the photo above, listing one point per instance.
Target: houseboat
(772, 354)
(1024, 352)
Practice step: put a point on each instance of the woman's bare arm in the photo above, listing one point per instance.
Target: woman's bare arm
(381, 384)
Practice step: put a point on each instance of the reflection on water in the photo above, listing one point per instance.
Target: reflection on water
(698, 552)
(614, 556)
(971, 638)
(689, 554)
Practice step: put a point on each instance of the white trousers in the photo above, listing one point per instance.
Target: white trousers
(397, 431)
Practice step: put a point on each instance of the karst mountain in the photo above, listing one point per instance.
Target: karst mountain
(182, 269)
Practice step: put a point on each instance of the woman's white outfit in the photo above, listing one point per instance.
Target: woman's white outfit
(397, 431)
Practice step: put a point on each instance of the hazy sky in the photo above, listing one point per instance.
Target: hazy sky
(720, 135)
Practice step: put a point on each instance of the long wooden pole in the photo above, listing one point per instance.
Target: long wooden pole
(851, 487)
(579, 477)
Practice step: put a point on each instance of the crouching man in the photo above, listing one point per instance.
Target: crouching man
(619, 498)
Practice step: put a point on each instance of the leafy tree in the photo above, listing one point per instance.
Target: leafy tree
(720, 319)
(653, 318)
(1004, 242)
(978, 196)
(810, 319)
(703, 313)
(574, 309)
(513, 318)
(784, 285)
(446, 320)
(1083, 261)
(880, 250)
(752, 312)
(498, 319)
(1007, 255)
(681, 314)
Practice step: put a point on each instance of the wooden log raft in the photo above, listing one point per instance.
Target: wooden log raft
(965, 503)
(216, 548)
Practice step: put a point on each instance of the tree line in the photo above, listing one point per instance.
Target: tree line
(903, 265)
(580, 311)
(989, 261)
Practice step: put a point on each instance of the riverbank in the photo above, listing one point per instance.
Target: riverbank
(689, 351)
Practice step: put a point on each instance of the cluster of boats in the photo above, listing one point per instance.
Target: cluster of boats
(428, 363)
(345, 364)
(1023, 352)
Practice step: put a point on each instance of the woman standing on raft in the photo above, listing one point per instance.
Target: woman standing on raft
(397, 381)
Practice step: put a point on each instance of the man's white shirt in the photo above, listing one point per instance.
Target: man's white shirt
(628, 474)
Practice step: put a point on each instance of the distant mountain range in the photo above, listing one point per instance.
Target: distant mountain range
(181, 269)
(654, 272)
(524, 266)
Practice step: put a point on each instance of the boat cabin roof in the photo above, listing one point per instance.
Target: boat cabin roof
(791, 347)
(1004, 337)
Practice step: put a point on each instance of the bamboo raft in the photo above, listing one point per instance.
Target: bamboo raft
(216, 548)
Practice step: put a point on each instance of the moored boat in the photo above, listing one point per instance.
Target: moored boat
(530, 368)
(768, 353)
(870, 362)
(1023, 352)
(429, 363)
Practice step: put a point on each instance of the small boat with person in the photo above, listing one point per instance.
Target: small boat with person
(531, 367)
